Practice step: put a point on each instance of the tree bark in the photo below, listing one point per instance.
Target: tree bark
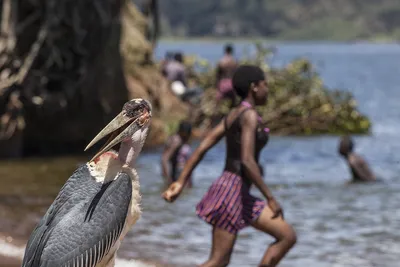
(8, 21)
(71, 81)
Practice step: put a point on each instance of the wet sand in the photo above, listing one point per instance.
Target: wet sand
(9, 262)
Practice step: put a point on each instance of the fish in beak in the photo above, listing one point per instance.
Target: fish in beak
(135, 114)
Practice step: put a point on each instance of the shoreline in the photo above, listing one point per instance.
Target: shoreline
(12, 252)
(198, 135)
(172, 39)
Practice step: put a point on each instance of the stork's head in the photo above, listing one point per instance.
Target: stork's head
(129, 128)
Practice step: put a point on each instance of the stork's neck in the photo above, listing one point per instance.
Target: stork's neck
(128, 153)
(108, 165)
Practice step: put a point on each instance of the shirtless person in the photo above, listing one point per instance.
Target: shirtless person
(358, 166)
(225, 69)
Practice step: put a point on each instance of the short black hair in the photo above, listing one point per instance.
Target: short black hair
(178, 57)
(244, 76)
(346, 145)
(228, 48)
(185, 127)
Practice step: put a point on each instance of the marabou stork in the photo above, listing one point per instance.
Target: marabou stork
(98, 204)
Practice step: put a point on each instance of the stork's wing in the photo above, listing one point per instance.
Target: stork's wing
(82, 224)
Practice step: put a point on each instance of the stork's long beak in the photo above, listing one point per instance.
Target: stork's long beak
(118, 133)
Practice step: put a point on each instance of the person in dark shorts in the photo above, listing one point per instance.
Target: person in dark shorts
(358, 166)
(176, 153)
(228, 205)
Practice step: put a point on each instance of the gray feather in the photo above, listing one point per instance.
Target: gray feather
(83, 223)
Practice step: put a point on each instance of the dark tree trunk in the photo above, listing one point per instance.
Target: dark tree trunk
(65, 68)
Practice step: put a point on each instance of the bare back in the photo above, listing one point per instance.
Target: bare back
(360, 169)
(226, 67)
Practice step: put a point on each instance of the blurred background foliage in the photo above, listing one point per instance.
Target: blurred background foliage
(282, 19)
(298, 103)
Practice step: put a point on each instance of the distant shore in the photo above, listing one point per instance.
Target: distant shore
(172, 39)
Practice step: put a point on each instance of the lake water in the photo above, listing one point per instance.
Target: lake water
(338, 225)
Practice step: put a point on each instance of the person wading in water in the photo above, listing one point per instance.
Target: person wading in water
(228, 205)
(358, 166)
(176, 153)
